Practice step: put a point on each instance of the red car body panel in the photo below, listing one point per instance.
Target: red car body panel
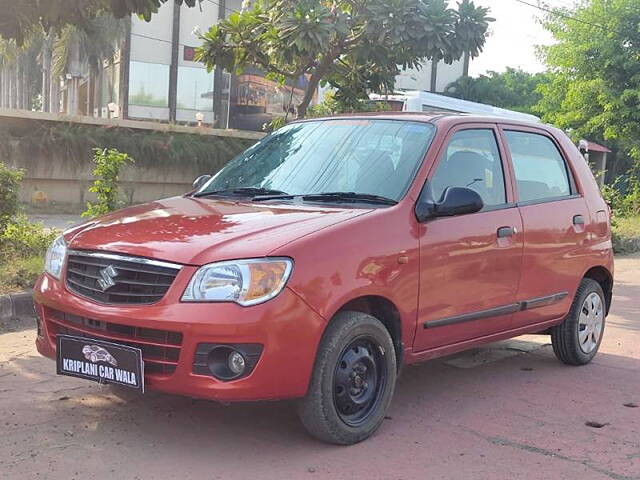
(288, 340)
(196, 231)
(344, 256)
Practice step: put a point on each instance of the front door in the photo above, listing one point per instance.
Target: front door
(469, 264)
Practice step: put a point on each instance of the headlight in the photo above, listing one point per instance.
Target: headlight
(54, 260)
(246, 282)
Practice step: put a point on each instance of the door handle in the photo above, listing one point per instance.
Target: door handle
(578, 220)
(506, 232)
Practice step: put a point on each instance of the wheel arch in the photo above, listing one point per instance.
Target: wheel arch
(384, 310)
(604, 277)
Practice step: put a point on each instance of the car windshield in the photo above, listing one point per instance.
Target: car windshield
(358, 156)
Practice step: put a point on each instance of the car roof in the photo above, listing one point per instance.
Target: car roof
(437, 118)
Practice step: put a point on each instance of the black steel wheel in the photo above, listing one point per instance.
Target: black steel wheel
(352, 382)
(359, 378)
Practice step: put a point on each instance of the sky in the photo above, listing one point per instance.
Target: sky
(514, 36)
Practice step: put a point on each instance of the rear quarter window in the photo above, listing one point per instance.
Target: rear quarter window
(541, 171)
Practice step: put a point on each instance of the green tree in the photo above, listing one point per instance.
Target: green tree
(355, 46)
(514, 89)
(20, 18)
(9, 185)
(106, 186)
(595, 64)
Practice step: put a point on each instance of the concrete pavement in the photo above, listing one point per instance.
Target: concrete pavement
(59, 221)
(506, 411)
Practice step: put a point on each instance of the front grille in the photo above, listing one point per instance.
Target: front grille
(136, 280)
(160, 348)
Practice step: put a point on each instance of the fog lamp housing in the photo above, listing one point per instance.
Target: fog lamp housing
(226, 362)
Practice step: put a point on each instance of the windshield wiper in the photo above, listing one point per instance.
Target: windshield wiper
(338, 197)
(242, 191)
(351, 197)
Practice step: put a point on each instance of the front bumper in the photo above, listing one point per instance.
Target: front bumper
(286, 326)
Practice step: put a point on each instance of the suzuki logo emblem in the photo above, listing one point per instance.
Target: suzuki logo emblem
(107, 275)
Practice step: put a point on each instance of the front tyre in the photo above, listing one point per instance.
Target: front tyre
(352, 382)
(577, 339)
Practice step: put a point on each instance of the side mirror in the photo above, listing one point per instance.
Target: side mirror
(200, 181)
(455, 201)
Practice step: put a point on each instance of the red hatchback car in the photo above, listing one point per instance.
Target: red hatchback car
(324, 258)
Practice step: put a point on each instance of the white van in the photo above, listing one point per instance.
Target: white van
(420, 101)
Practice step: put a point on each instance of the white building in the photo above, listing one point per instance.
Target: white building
(420, 79)
(153, 76)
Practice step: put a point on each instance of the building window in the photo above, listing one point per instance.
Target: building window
(148, 84)
(195, 89)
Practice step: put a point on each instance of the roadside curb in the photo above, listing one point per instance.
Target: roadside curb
(626, 245)
(16, 306)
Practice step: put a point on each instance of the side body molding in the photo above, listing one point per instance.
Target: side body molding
(498, 311)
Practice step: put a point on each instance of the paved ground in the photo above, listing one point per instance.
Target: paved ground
(59, 221)
(509, 411)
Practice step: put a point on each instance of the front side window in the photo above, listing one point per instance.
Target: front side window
(364, 156)
(541, 172)
(471, 160)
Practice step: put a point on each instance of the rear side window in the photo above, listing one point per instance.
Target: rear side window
(541, 172)
(471, 160)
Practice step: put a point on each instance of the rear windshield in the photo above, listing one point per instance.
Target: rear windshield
(378, 157)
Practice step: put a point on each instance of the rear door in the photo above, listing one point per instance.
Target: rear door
(469, 264)
(554, 219)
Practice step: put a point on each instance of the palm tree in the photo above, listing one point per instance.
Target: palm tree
(86, 45)
(471, 29)
(471, 26)
(19, 79)
(89, 43)
(40, 60)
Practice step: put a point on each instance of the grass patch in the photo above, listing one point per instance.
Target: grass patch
(629, 226)
(19, 274)
(626, 234)
(23, 245)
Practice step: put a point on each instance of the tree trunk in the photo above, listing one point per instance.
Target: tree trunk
(173, 68)
(26, 89)
(55, 94)
(125, 57)
(46, 74)
(3, 85)
(219, 120)
(91, 90)
(316, 76)
(465, 65)
(314, 81)
(434, 76)
(12, 87)
(19, 84)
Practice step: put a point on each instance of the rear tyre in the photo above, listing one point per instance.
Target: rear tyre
(577, 339)
(352, 382)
